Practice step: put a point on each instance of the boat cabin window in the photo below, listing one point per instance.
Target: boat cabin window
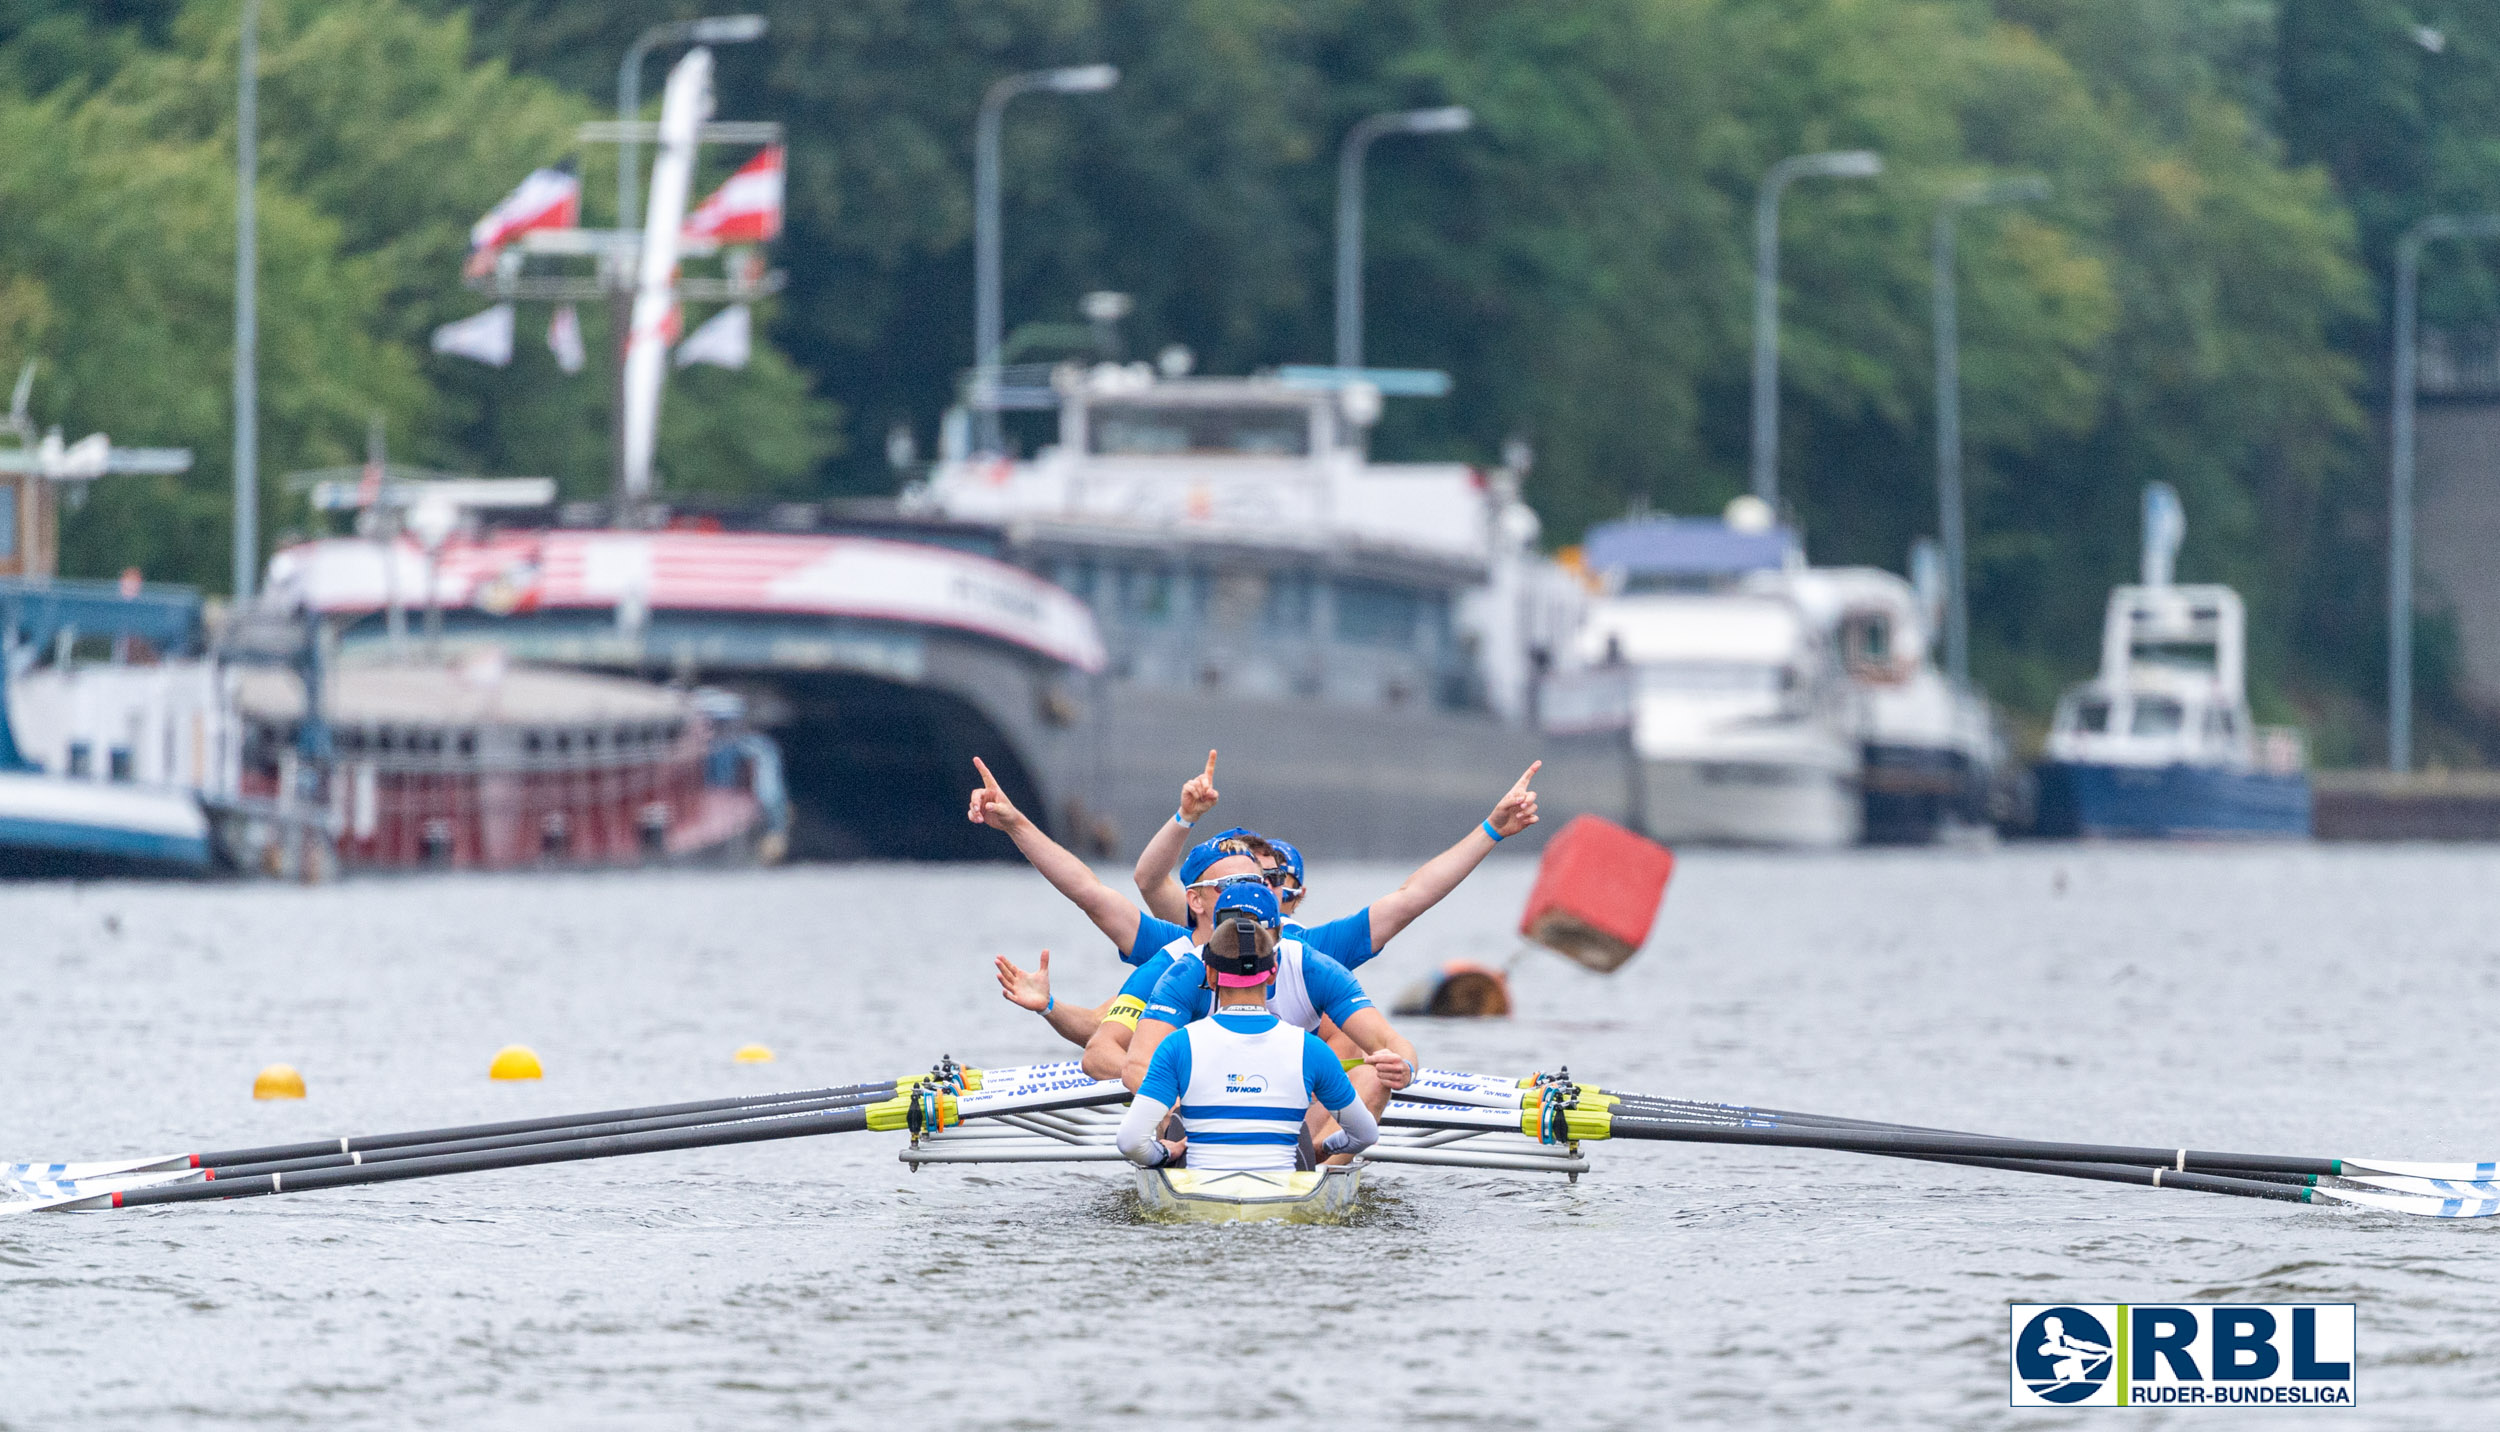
(2157, 716)
(1866, 640)
(2178, 655)
(2092, 715)
(1159, 431)
(1376, 614)
(2221, 722)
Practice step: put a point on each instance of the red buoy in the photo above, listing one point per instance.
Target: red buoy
(1597, 892)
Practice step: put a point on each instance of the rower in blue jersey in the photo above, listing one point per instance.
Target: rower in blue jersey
(1242, 1079)
(1142, 940)
(1350, 939)
(1308, 988)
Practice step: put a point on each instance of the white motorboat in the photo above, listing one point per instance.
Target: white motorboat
(1931, 751)
(1739, 719)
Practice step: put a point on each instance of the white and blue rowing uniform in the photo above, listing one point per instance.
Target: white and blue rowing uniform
(1241, 1081)
(1346, 939)
(1309, 985)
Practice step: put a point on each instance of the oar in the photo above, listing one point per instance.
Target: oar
(552, 1125)
(521, 1140)
(763, 1128)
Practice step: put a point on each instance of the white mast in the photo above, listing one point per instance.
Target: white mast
(683, 109)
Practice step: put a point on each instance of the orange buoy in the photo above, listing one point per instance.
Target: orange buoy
(278, 1081)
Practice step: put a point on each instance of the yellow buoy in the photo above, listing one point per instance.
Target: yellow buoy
(278, 1081)
(752, 1054)
(515, 1061)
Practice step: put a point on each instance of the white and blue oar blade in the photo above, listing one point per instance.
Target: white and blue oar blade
(87, 1195)
(2411, 1205)
(20, 1176)
(2452, 1172)
(2426, 1187)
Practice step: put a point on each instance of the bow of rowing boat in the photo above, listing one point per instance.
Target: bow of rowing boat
(1188, 1195)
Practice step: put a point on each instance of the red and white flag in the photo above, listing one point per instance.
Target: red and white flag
(747, 209)
(724, 340)
(548, 199)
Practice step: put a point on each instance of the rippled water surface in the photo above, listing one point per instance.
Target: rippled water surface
(2318, 1001)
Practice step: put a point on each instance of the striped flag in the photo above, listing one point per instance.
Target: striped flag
(747, 209)
(547, 199)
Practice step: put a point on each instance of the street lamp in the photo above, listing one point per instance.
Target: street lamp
(2400, 471)
(1450, 119)
(1835, 164)
(988, 308)
(709, 30)
(1949, 504)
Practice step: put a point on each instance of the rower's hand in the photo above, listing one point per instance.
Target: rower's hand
(990, 805)
(1174, 1150)
(1198, 796)
(1517, 808)
(1029, 989)
(1391, 1067)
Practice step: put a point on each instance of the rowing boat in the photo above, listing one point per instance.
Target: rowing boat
(1187, 1195)
(1056, 1113)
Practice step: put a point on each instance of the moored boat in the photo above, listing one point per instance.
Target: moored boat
(2160, 742)
(1740, 724)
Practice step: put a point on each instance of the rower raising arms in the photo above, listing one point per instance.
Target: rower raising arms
(1309, 987)
(1140, 938)
(1242, 1078)
(1354, 938)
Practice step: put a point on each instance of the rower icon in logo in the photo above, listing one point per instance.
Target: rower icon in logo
(2063, 1355)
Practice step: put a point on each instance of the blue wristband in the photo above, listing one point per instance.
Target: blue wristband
(1183, 821)
(1489, 830)
(1050, 1003)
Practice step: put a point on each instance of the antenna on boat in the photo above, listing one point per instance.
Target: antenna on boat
(2165, 524)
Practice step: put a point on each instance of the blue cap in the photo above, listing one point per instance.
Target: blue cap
(1223, 835)
(1248, 895)
(1286, 853)
(1202, 855)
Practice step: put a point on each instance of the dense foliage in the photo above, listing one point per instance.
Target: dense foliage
(2200, 300)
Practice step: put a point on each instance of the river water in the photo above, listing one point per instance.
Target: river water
(2325, 1001)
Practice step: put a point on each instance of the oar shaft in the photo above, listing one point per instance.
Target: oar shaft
(795, 1126)
(521, 1140)
(370, 1142)
(2134, 1174)
(1876, 1141)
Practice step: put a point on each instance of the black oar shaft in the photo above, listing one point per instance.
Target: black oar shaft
(369, 1142)
(2135, 1174)
(831, 1121)
(507, 1141)
(1877, 1141)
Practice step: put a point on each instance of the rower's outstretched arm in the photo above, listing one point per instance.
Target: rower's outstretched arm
(1437, 877)
(1030, 989)
(1110, 911)
(1156, 884)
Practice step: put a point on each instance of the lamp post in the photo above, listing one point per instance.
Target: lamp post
(988, 307)
(709, 30)
(2400, 470)
(1833, 164)
(1949, 502)
(247, 308)
(1450, 119)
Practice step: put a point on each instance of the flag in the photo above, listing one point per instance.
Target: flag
(486, 337)
(747, 209)
(723, 341)
(564, 338)
(547, 199)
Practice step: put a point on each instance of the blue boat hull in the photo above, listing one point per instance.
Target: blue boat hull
(2170, 802)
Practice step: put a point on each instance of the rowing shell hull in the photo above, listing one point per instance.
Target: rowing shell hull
(1187, 1195)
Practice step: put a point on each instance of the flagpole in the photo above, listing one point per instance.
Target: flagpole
(246, 310)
